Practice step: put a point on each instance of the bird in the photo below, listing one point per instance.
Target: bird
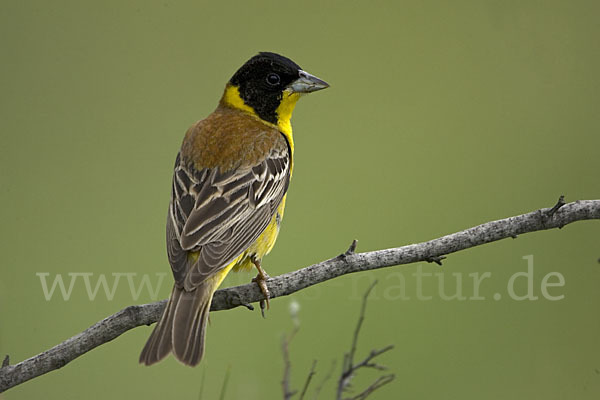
(228, 195)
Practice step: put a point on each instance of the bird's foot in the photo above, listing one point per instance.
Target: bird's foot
(261, 281)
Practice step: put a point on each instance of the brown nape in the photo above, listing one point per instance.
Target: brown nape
(230, 138)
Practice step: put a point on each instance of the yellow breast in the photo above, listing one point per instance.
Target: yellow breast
(265, 242)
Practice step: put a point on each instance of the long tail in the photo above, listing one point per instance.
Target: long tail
(182, 326)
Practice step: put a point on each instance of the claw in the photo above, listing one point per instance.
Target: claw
(262, 308)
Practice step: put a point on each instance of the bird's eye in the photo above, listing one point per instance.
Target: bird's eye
(273, 79)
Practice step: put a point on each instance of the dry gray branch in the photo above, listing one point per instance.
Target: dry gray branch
(283, 285)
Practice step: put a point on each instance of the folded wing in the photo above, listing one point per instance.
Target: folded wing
(220, 214)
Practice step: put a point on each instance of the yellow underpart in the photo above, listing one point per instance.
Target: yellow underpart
(220, 275)
(265, 242)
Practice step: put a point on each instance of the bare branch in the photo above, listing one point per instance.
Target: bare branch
(285, 382)
(361, 318)
(374, 353)
(286, 284)
(349, 369)
(99, 333)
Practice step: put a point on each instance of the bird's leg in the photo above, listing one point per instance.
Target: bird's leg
(261, 280)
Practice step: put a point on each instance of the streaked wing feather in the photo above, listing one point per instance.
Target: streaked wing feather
(220, 215)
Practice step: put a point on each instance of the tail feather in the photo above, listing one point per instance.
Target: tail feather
(192, 348)
(182, 326)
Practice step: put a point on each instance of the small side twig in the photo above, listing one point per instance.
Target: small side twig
(374, 353)
(324, 381)
(349, 368)
(379, 382)
(559, 204)
(352, 249)
(435, 259)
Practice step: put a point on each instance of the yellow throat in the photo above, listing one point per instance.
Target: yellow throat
(284, 111)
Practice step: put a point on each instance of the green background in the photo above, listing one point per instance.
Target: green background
(440, 116)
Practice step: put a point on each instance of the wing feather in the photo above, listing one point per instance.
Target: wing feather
(220, 214)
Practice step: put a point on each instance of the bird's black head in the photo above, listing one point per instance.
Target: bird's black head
(267, 81)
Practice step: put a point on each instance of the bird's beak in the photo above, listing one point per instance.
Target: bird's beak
(307, 83)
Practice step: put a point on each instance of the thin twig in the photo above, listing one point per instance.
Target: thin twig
(324, 381)
(379, 382)
(374, 353)
(352, 249)
(349, 368)
(286, 284)
(557, 206)
(285, 382)
(308, 379)
(435, 259)
(361, 318)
